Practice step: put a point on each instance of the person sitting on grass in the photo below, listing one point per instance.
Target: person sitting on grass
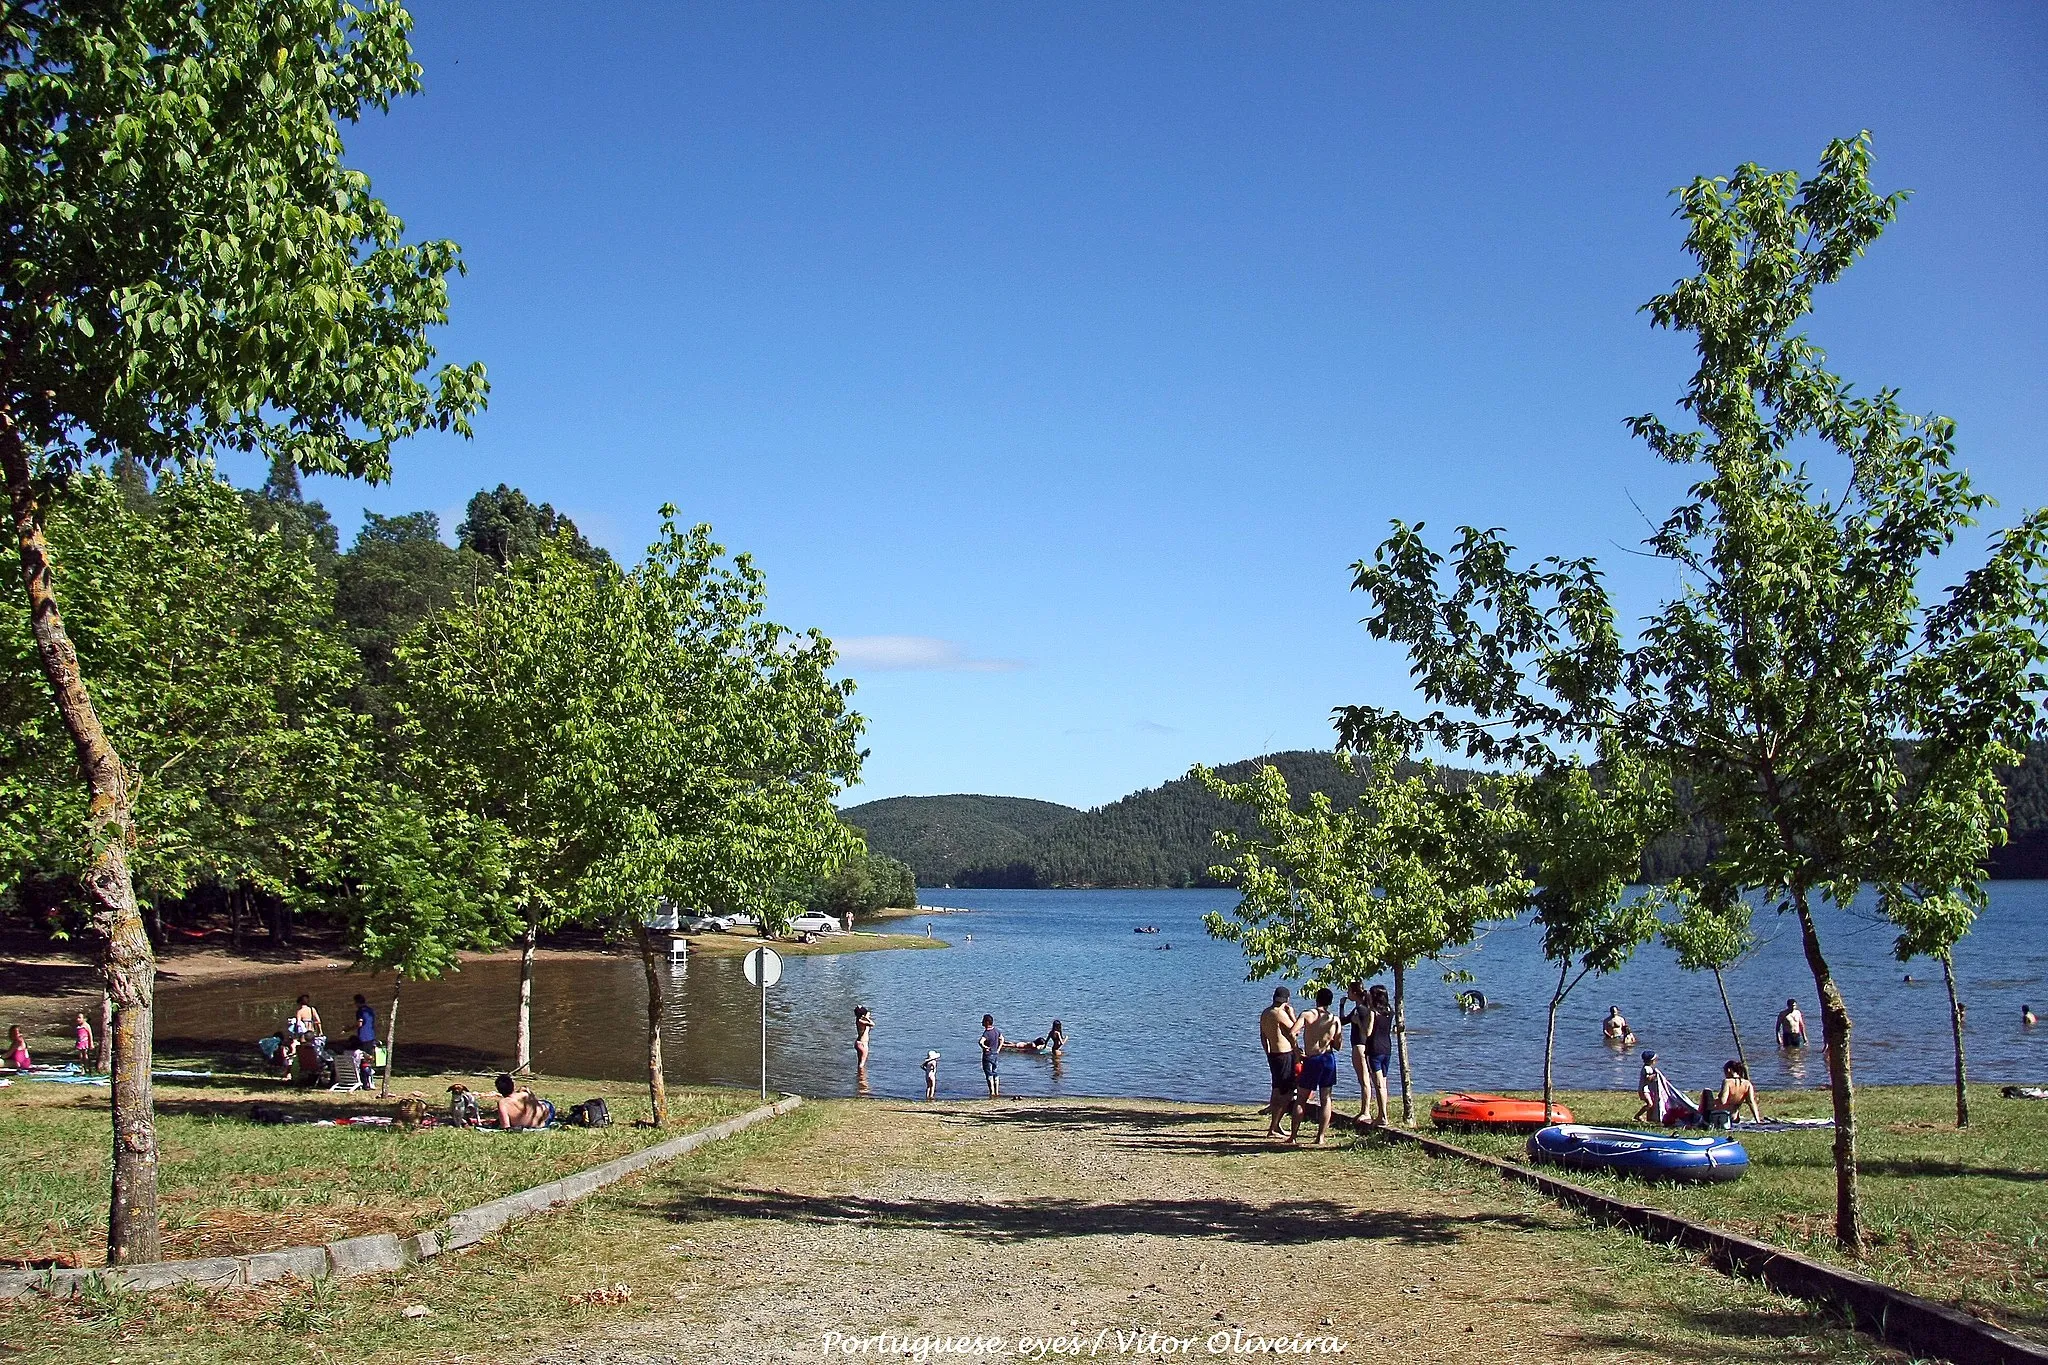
(519, 1107)
(1719, 1111)
(17, 1049)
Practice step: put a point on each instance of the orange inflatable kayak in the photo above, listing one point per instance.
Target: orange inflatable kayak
(1493, 1111)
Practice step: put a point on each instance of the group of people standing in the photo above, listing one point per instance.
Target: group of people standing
(1301, 1049)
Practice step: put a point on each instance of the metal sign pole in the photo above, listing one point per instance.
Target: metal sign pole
(764, 1034)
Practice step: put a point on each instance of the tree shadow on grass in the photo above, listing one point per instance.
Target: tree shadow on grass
(1297, 1222)
(1912, 1168)
(1735, 1332)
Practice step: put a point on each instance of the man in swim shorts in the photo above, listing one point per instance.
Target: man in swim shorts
(1791, 1026)
(1277, 1026)
(1321, 1031)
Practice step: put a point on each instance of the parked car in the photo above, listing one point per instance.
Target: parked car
(700, 924)
(731, 922)
(815, 923)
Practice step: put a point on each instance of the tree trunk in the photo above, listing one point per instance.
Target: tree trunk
(1401, 1043)
(391, 1040)
(122, 951)
(1740, 1054)
(1550, 1037)
(657, 1084)
(235, 919)
(106, 1058)
(1955, 1019)
(1834, 1020)
(522, 1060)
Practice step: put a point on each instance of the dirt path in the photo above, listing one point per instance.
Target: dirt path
(1066, 1221)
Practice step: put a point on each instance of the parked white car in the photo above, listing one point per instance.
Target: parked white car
(700, 924)
(815, 923)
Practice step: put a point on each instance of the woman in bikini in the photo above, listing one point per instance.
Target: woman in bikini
(863, 1025)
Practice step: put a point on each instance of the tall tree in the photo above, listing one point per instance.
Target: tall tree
(397, 574)
(499, 704)
(731, 740)
(503, 524)
(1582, 838)
(1409, 871)
(1931, 922)
(1799, 666)
(189, 266)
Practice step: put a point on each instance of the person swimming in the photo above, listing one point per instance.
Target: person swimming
(1472, 1002)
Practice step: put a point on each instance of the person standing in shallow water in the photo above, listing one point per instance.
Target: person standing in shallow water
(991, 1054)
(863, 1025)
(1791, 1026)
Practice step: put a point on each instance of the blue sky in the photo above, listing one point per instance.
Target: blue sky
(1059, 360)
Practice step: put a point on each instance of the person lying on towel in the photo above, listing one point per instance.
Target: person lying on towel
(519, 1107)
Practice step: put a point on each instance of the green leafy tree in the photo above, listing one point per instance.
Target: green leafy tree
(1409, 871)
(864, 884)
(1711, 934)
(189, 266)
(1837, 728)
(397, 574)
(500, 702)
(637, 735)
(1581, 839)
(503, 525)
(730, 740)
(422, 883)
(218, 680)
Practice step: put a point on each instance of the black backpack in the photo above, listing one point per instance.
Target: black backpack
(590, 1114)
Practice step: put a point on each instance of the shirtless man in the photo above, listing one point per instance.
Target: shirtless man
(1278, 1024)
(1321, 1031)
(518, 1107)
(1791, 1026)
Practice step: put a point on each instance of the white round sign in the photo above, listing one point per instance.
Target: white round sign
(764, 967)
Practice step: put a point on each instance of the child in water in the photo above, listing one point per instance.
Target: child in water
(931, 1075)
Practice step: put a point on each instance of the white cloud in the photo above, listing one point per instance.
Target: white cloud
(903, 653)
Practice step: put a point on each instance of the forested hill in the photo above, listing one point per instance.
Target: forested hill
(1164, 836)
(941, 836)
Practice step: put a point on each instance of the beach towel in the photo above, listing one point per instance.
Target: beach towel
(1673, 1109)
(1784, 1125)
(2025, 1092)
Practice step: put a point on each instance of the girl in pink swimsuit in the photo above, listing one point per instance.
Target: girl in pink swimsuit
(17, 1049)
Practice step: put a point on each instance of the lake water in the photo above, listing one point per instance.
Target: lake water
(1179, 1022)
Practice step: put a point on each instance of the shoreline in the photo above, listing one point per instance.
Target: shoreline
(41, 987)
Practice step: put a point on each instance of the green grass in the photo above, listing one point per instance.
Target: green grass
(229, 1186)
(540, 1280)
(1957, 1216)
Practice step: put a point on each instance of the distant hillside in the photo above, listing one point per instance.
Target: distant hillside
(1163, 836)
(940, 836)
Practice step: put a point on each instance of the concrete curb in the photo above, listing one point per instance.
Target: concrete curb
(1892, 1315)
(383, 1251)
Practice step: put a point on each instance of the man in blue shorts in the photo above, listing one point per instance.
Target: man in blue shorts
(1321, 1032)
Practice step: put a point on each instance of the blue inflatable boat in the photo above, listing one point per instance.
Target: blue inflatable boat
(1653, 1156)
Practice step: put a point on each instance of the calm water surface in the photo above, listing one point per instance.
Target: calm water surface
(1178, 1022)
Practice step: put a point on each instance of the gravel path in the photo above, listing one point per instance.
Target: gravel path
(1097, 1223)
